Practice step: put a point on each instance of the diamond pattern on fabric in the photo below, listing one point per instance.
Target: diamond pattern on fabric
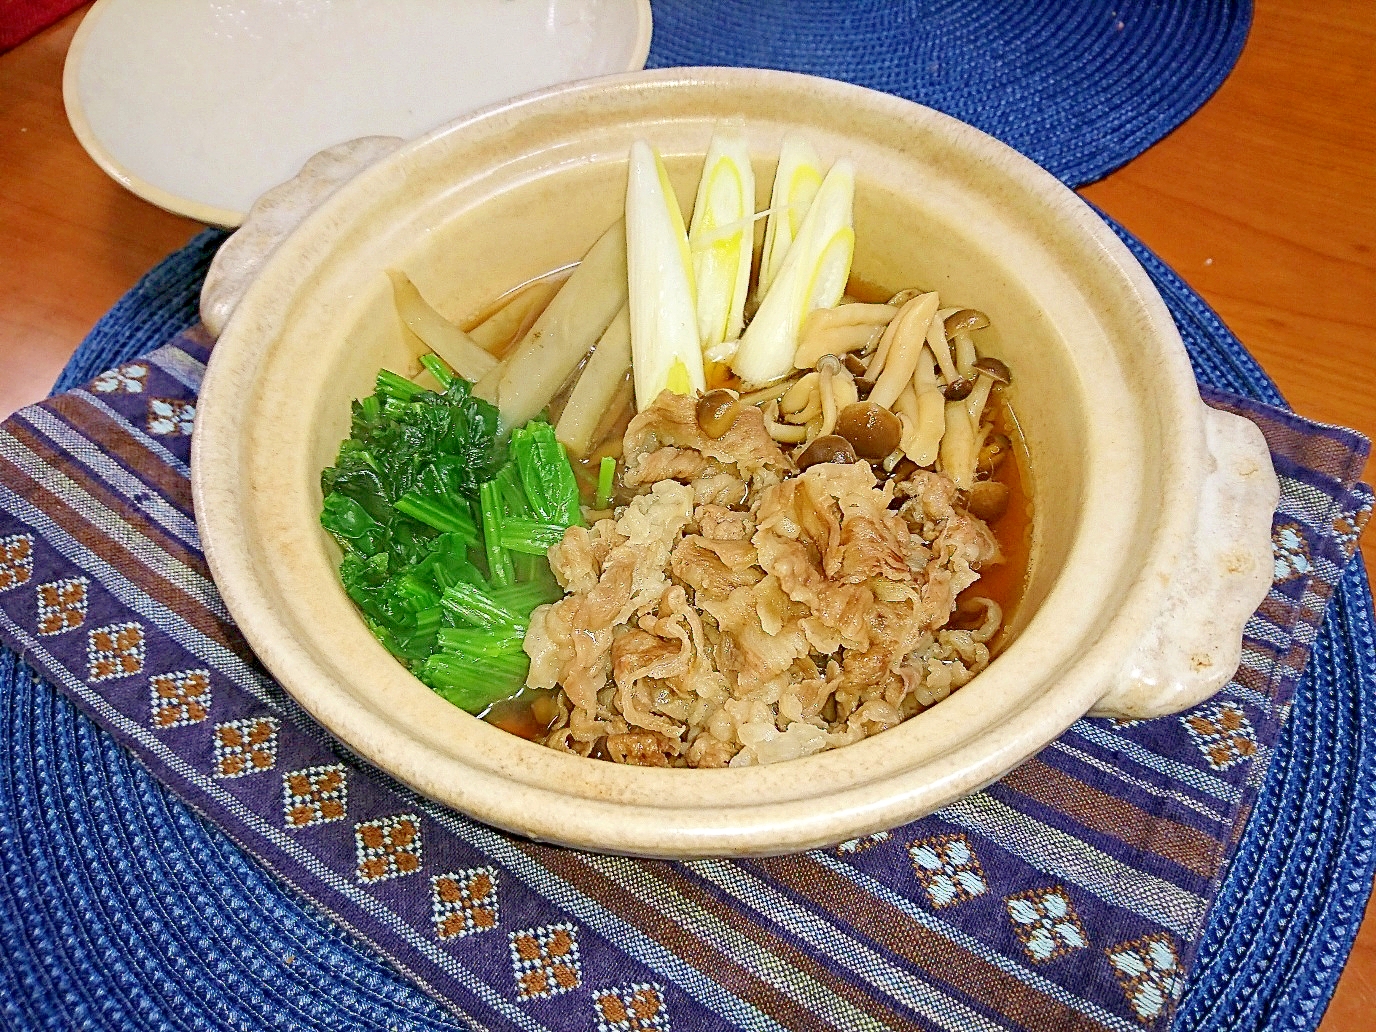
(170, 417)
(858, 845)
(388, 847)
(245, 746)
(1149, 971)
(315, 795)
(464, 902)
(127, 379)
(1223, 734)
(1291, 552)
(16, 560)
(948, 869)
(62, 605)
(545, 961)
(631, 1008)
(1046, 923)
(115, 651)
(180, 699)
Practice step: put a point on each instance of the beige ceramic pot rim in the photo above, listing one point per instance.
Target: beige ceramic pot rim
(1151, 638)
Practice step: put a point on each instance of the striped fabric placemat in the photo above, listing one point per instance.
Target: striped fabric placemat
(1070, 895)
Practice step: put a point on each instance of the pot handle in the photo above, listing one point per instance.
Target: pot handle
(1195, 644)
(276, 214)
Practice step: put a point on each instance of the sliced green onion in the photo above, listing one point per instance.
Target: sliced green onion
(722, 238)
(606, 476)
(813, 275)
(796, 181)
(665, 354)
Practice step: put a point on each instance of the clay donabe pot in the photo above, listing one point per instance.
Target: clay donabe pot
(1152, 512)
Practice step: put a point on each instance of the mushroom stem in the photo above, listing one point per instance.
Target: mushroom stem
(781, 432)
(991, 371)
(929, 411)
(974, 404)
(773, 392)
(965, 352)
(936, 340)
(906, 347)
(958, 446)
(837, 390)
(800, 395)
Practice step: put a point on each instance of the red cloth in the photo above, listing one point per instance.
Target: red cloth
(20, 19)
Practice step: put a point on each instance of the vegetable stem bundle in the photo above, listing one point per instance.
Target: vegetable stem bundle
(444, 532)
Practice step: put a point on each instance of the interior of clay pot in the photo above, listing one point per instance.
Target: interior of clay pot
(478, 208)
(463, 260)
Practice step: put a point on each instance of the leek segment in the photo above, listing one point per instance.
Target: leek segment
(665, 352)
(813, 275)
(721, 238)
(796, 182)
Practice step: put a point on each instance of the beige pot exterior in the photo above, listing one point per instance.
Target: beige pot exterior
(1151, 541)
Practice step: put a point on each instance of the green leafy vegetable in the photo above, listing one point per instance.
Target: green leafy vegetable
(445, 528)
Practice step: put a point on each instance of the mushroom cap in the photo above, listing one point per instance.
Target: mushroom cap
(994, 369)
(872, 430)
(831, 448)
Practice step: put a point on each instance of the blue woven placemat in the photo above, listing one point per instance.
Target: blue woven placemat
(1080, 87)
(121, 908)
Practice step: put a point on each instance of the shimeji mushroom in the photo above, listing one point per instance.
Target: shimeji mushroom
(958, 322)
(990, 371)
(930, 411)
(803, 400)
(959, 446)
(906, 346)
(784, 433)
(841, 330)
(941, 348)
(837, 391)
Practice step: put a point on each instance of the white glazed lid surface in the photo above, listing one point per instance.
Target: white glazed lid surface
(201, 107)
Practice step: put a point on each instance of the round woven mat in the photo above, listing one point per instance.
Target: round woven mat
(121, 909)
(1080, 88)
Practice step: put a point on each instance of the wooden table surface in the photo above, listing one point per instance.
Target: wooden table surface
(1264, 201)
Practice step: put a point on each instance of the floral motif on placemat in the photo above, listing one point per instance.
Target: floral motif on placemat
(545, 961)
(1046, 923)
(1149, 971)
(170, 416)
(115, 651)
(858, 845)
(315, 795)
(388, 847)
(948, 869)
(632, 1008)
(16, 560)
(181, 698)
(1223, 734)
(245, 746)
(464, 902)
(1291, 552)
(127, 379)
(62, 605)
